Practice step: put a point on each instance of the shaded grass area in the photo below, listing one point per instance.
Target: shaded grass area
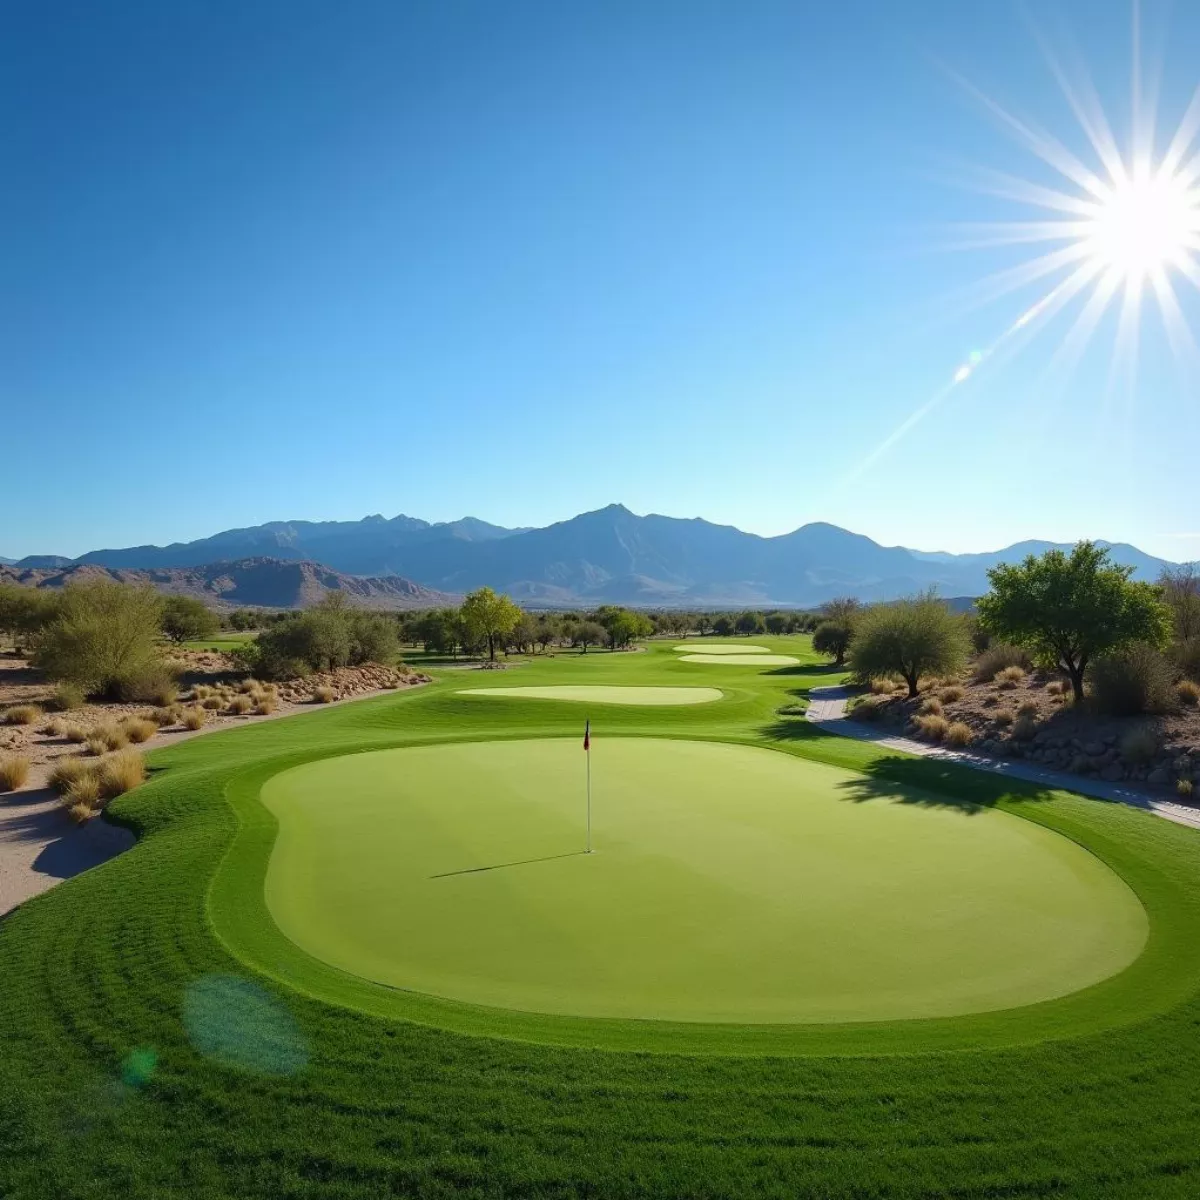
(103, 1094)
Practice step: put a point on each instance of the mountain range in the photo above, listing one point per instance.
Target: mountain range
(608, 556)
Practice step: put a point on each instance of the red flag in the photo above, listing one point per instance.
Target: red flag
(587, 735)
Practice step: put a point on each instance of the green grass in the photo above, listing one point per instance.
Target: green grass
(221, 641)
(726, 884)
(102, 1093)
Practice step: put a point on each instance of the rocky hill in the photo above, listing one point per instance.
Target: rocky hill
(249, 582)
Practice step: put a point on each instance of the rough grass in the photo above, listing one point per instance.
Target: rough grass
(23, 714)
(360, 1094)
(14, 771)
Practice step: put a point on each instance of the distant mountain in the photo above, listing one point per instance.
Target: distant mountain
(608, 556)
(372, 546)
(40, 560)
(250, 582)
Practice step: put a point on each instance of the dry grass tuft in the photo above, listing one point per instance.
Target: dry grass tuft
(883, 687)
(201, 691)
(323, 694)
(66, 771)
(138, 730)
(85, 790)
(1055, 687)
(121, 772)
(931, 706)
(266, 705)
(1027, 708)
(240, 705)
(1188, 692)
(213, 702)
(14, 771)
(55, 727)
(76, 733)
(81, 812)
(193, 718)
(1009, 677)
(23, 714)
(1004, 717)
(1184, 788)
(164, 716)
(68, 696)
(249, 685)
(952, 693)
(1025, 728)
(959, 734)
(932, 728)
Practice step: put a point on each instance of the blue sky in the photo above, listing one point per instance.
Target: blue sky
(315, 260)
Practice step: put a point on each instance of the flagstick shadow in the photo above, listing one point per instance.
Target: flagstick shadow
(521, 862)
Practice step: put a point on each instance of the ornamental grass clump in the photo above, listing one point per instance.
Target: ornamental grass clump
(23, 714)
(120, 773)
(14, 771)
(959, 734)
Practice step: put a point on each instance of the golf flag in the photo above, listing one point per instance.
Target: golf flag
(587, 735)
(587, 749)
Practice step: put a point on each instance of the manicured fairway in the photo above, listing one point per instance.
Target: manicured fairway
(604, 695)
(707, 648)
(727, 884)
(741, 660)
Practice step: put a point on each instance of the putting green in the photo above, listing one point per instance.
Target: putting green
(605, 695)
(728, 883)
(705, 648)
(741, 660)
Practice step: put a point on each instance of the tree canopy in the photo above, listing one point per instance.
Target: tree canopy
(1068, 609)
(489, 618)
(186, 619)
(910, 639)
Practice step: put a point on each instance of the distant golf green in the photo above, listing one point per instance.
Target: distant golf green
(706, 648)
(604, 695)
(741, 660)
(728, 883)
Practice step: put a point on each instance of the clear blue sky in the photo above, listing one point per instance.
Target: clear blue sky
(318, 260)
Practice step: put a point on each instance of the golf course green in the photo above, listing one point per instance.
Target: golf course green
(796, 964)
(604, 695)
(727, 883)
(723, 648)
(726, 658)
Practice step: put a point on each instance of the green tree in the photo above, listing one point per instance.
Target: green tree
(1068, 609)
(833, 638)
(777, 622)
(587, 633)
(103, 635)
(1181, 592)
(750, 623)
(910, 638)
(25, 610)
(186, 619)
(489, 618)
(722, 625)
(623, 626)
(549, 630)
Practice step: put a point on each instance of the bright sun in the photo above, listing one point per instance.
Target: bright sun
(1143, 225)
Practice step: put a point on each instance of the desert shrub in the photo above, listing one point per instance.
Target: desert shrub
(1134, 681)
(1186, 655)
(952, 693)
(328, 636)
(1008, 677)
(1027, 708)
(266, 705)
(1188, 692)
(81, 812)
(138, 730)
(213, 702)
(193, 718)
(932, 706)
(104, 633)
(68, 696)
(201, 691)
(14, 771)
(164, 716)
(959, 734)
(66, 771)
(55, 727)
(833, 638)
(23, 714)
(240, 705)
(1139, 746)
(249, 684)
(1025, 728)
(932, 727)
(153, 683)
(1004, 717)
(324, 694)
(96, 744)
(883, 686)
(121, 772)
(107, 737)
(1184, 788)
(76, 733)
(998, 656)
(186, 619)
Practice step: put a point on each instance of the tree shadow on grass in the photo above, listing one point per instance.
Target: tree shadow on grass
(807, 669)
(935, 783)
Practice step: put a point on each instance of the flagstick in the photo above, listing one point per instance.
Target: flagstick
(589, 799)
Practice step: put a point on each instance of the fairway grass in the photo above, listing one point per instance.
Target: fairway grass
(718, 648)
(727, 884)
(107, 1088)
(582, 693)
(723, 659)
